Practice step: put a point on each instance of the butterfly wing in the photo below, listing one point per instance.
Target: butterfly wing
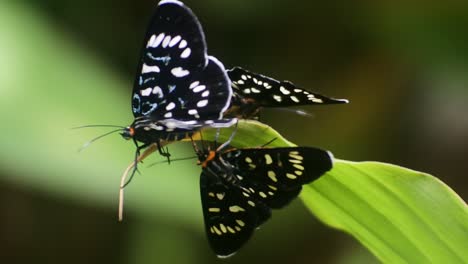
(177, 79)
(264, 91)
(230, 217)
(276, 175)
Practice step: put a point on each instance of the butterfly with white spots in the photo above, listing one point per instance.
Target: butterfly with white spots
(252, 91)
(179, 88)
(239, 187)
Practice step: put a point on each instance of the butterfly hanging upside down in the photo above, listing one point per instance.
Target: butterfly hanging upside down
(239, 187)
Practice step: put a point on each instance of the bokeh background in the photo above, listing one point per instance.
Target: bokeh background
(402, 64)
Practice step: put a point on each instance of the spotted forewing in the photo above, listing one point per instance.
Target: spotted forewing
(176, 78)
(253, 90)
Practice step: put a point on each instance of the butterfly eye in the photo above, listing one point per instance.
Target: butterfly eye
(128, 133)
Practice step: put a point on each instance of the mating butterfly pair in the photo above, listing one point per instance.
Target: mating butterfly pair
(180, 89)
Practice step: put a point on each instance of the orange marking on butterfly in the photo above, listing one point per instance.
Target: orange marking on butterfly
(211, 156)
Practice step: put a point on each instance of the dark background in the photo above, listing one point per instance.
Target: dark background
(402, 64)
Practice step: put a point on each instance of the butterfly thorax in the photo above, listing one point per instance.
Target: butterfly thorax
(148, 131)
(216, 167)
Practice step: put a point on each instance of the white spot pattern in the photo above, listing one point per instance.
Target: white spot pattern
(202, 103)
(155, 43)
(205, 94)
(193, 112)
(255, 90)
(186, 53)
(174, 41)
(284, 90)
(170, 106)
(183, 44)
(199, 88)
(166, 41)
(147, 68)
(151, 41)
(236, 208)
(157, 90)
(146, 91)
(277, 98)
(179, 72)
(194, 84)
(272, 175)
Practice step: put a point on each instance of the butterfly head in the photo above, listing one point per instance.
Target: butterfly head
(128, 133)
(207, 157)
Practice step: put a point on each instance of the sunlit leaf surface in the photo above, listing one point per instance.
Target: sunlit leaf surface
(401, 215)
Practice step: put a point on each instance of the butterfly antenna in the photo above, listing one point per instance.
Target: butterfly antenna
(229, 140)
(87, 144)
(80, 127)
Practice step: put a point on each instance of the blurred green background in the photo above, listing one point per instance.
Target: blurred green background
(403, 66)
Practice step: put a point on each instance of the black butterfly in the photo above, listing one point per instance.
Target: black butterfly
(179, 87)
(239, 187)
(253, 91)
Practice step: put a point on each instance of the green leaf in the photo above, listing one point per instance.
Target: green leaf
(400, 215)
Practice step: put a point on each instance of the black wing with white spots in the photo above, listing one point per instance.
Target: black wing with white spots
(252, 90)
(239, 187)
(230, 217)
(276, 175)
(177, 79)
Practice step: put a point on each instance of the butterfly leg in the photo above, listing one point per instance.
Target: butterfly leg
(230, 138)
(164, 152)
(135, 167)
(218, 131)
(123, 180)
